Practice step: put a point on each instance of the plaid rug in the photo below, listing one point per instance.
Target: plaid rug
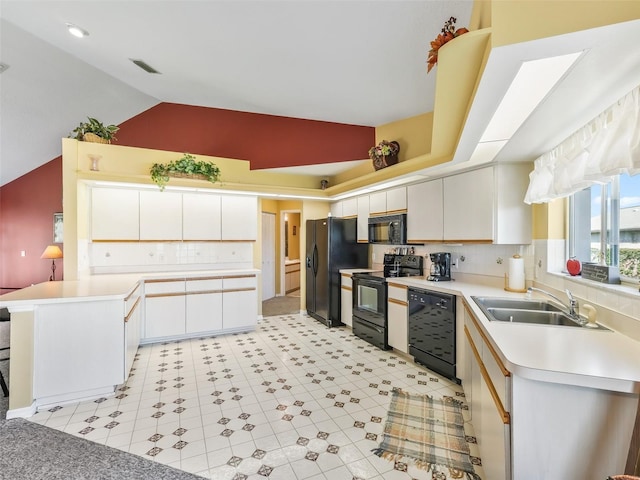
(428, 432)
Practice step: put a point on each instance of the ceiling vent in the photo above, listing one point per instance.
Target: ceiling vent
(144, 66)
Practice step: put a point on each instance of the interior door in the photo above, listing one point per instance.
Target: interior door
(268, 255)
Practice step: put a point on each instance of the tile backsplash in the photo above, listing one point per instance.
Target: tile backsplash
(489, 260)
(107, 257)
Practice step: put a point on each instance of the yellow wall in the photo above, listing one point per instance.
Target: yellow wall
(293, 235)
(524, 20)
(413, 134)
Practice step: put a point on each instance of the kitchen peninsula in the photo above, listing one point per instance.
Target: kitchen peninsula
(73, 340)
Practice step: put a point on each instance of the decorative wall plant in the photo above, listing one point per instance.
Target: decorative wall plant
(447, 34)
(185, 167)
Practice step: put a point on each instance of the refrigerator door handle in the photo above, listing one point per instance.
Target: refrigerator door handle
(315, 259)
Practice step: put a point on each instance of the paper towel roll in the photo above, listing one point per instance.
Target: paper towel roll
(516, 273)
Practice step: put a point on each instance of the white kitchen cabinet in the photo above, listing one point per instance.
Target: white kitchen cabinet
(80, 348)
(397, 311)
(350, 207)
(397, 200)
(486, 205)
(239, 217)
(164, 308)
(239, 303)
(133, 327)
(378, 203)
(489, 401)
(363, 218)
(388, 202)
(336, 209)
(203, 305)
(425, 212)
(115, 214)
(160, 215)
(346, 299)
(468, 206)
(201, 216)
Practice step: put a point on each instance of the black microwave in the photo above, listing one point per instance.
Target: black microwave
(389, 229)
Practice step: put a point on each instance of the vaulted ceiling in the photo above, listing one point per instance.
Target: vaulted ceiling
(353, 62)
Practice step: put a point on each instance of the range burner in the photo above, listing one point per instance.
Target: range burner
(403, 265)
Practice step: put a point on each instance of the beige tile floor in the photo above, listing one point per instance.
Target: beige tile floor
(291, 400)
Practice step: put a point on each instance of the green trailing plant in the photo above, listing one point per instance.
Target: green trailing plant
(96, 127)
(187, 166)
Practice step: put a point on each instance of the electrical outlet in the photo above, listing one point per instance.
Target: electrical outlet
(454, 262)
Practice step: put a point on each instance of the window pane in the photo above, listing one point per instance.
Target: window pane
(630, 226)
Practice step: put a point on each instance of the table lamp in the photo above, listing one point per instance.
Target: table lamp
(52, 252)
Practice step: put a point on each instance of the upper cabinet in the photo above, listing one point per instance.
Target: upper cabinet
(347, 208)
(425, 212)
(363, 218)
(201, 217)
(115, 214)
(486, 205)
(239, 217)
(389, 201)
(160, 215)
(148, 215)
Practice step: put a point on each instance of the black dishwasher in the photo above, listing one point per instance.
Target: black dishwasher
(432, 331)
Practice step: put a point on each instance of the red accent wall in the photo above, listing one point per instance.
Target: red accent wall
(267, 141)
(28, 203)
(27, 206)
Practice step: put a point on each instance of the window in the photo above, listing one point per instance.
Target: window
(604, 224)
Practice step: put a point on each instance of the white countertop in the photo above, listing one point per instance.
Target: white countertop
(99, 287)
(583, 357)
(351, 271)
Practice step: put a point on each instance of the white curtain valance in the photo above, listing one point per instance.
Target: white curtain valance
(607, 146)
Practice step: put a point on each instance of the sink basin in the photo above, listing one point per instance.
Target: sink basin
(539, 312)
(496, 302)
(540, 317)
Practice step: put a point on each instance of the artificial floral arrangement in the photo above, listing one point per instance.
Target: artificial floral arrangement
(94, 131)
(384, 154)
(448, 33)
(187, 166)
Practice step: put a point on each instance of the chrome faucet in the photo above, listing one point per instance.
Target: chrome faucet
(572, 308)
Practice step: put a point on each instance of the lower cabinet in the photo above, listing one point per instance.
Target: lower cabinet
(397, 312)
(487, 385)
(164, 308)
(346, 299)
(203, 305)
(132, 327)
(188, 307)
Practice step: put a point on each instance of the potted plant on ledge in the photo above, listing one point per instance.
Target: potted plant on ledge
(384, 154)
(187, 167)
(94, 131)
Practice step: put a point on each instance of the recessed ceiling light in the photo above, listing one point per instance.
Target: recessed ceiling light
(76, 31)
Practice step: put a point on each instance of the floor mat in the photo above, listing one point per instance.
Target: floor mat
(427, 432)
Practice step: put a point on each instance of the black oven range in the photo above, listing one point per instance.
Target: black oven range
(370, 319)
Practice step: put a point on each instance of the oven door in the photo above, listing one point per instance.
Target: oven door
(370, 299)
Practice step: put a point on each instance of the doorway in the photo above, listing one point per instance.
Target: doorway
(268, 255)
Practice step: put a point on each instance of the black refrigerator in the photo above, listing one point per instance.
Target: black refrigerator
(332, 244)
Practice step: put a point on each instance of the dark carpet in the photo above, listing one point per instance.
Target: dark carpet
(32, 451)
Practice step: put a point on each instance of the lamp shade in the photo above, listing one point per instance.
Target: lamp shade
(52, 252)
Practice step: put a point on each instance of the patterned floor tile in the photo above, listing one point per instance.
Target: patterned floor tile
(293, 399)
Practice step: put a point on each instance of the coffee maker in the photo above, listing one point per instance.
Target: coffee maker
(440, 270)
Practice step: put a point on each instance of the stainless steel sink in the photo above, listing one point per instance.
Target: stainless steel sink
(539, 312)
(540, 317)
(497, 302)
